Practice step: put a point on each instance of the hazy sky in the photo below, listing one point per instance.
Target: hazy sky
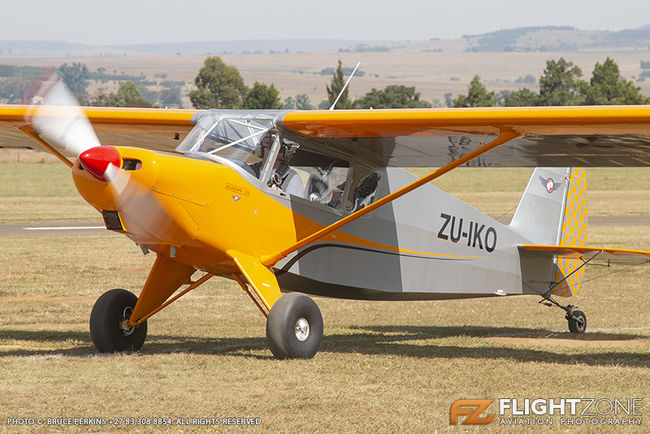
(136, 21)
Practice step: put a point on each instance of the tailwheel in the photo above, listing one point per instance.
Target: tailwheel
(108, 323)
(294, 328)
(577, 321)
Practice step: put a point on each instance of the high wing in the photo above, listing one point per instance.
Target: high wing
(589, 254)
(543, 136)
(546, 136)
(159, 129)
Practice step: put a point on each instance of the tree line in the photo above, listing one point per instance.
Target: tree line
(221, 86)
(560, 85)
(132, 91)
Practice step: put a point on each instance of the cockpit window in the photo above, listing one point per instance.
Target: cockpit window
(308, 174)
(235, 137)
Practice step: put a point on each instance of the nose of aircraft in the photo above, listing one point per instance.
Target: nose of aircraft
(102, 162)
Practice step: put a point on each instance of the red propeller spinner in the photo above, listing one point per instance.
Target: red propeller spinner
(98, 161)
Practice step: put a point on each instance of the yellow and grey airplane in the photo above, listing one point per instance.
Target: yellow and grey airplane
(316, 202)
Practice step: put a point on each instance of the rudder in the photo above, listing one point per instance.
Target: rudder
(553, 211)
(573, 233)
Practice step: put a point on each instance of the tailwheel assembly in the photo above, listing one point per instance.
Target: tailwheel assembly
(109, 318)
(577, 321)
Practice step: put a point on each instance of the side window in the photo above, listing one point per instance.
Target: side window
(364, 190)
(307, 174)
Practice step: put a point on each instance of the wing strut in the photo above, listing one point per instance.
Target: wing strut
(29, 131)
(505, 136)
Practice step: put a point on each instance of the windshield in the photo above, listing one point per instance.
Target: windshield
(231, 136)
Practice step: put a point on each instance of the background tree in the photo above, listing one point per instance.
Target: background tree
(560, 84)
(128, 95)
(218, 86)
(333, 90)
(300, 102)
(521, 98)
(262, 96)
(13, 89)
(75, 76)
(477, 96)
(607, 87)
(171, 96)
(392, 96)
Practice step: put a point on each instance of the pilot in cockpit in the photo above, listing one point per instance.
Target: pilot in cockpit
(283, 177)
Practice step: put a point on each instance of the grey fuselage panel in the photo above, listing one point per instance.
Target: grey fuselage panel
(424, 245)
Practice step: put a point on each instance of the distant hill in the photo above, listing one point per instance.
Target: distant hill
(540, 38)
(552, 38)
(68, 49)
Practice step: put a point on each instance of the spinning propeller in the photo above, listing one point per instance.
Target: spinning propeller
(57, 117)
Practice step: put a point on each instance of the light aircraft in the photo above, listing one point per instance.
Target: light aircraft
(316, 202)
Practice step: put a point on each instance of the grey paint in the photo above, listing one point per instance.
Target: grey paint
(436, 268)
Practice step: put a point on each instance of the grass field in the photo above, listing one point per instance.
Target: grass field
(383, 366)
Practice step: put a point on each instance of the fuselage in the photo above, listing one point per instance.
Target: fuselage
(426, 245)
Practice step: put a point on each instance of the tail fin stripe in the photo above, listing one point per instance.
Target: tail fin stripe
(574, 233)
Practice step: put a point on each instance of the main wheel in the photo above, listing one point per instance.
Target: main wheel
(108, 318)
(294, 328)
(577, 321)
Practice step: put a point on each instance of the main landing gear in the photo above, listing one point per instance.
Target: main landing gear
(108, 323)
(294, 327)
(576, 318)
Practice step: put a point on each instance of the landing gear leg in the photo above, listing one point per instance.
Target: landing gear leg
(576, 318)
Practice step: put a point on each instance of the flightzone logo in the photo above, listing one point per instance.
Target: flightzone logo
(553, 411)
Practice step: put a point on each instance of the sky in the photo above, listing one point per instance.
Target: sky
(146, 21)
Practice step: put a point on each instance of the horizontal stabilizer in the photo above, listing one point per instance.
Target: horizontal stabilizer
(596, 254)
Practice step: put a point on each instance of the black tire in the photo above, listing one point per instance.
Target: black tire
(109, 310)
(577, 321)
(288, 314)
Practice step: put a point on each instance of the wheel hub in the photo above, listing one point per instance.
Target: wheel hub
(124, 322)
(302, 329)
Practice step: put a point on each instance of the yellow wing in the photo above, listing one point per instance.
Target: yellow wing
(159, 129)
(548, 136)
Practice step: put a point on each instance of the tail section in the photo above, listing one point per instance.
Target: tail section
(573, 233)
(553, 211)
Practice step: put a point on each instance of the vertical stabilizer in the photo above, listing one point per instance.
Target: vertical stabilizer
(553, 211)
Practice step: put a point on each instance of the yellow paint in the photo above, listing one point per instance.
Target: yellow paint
(15, 115)
(260, 278)
(489, 120)
(573, 233)
(576, 252)
(165, 278)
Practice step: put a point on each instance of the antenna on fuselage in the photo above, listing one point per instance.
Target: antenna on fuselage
(345, 86)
